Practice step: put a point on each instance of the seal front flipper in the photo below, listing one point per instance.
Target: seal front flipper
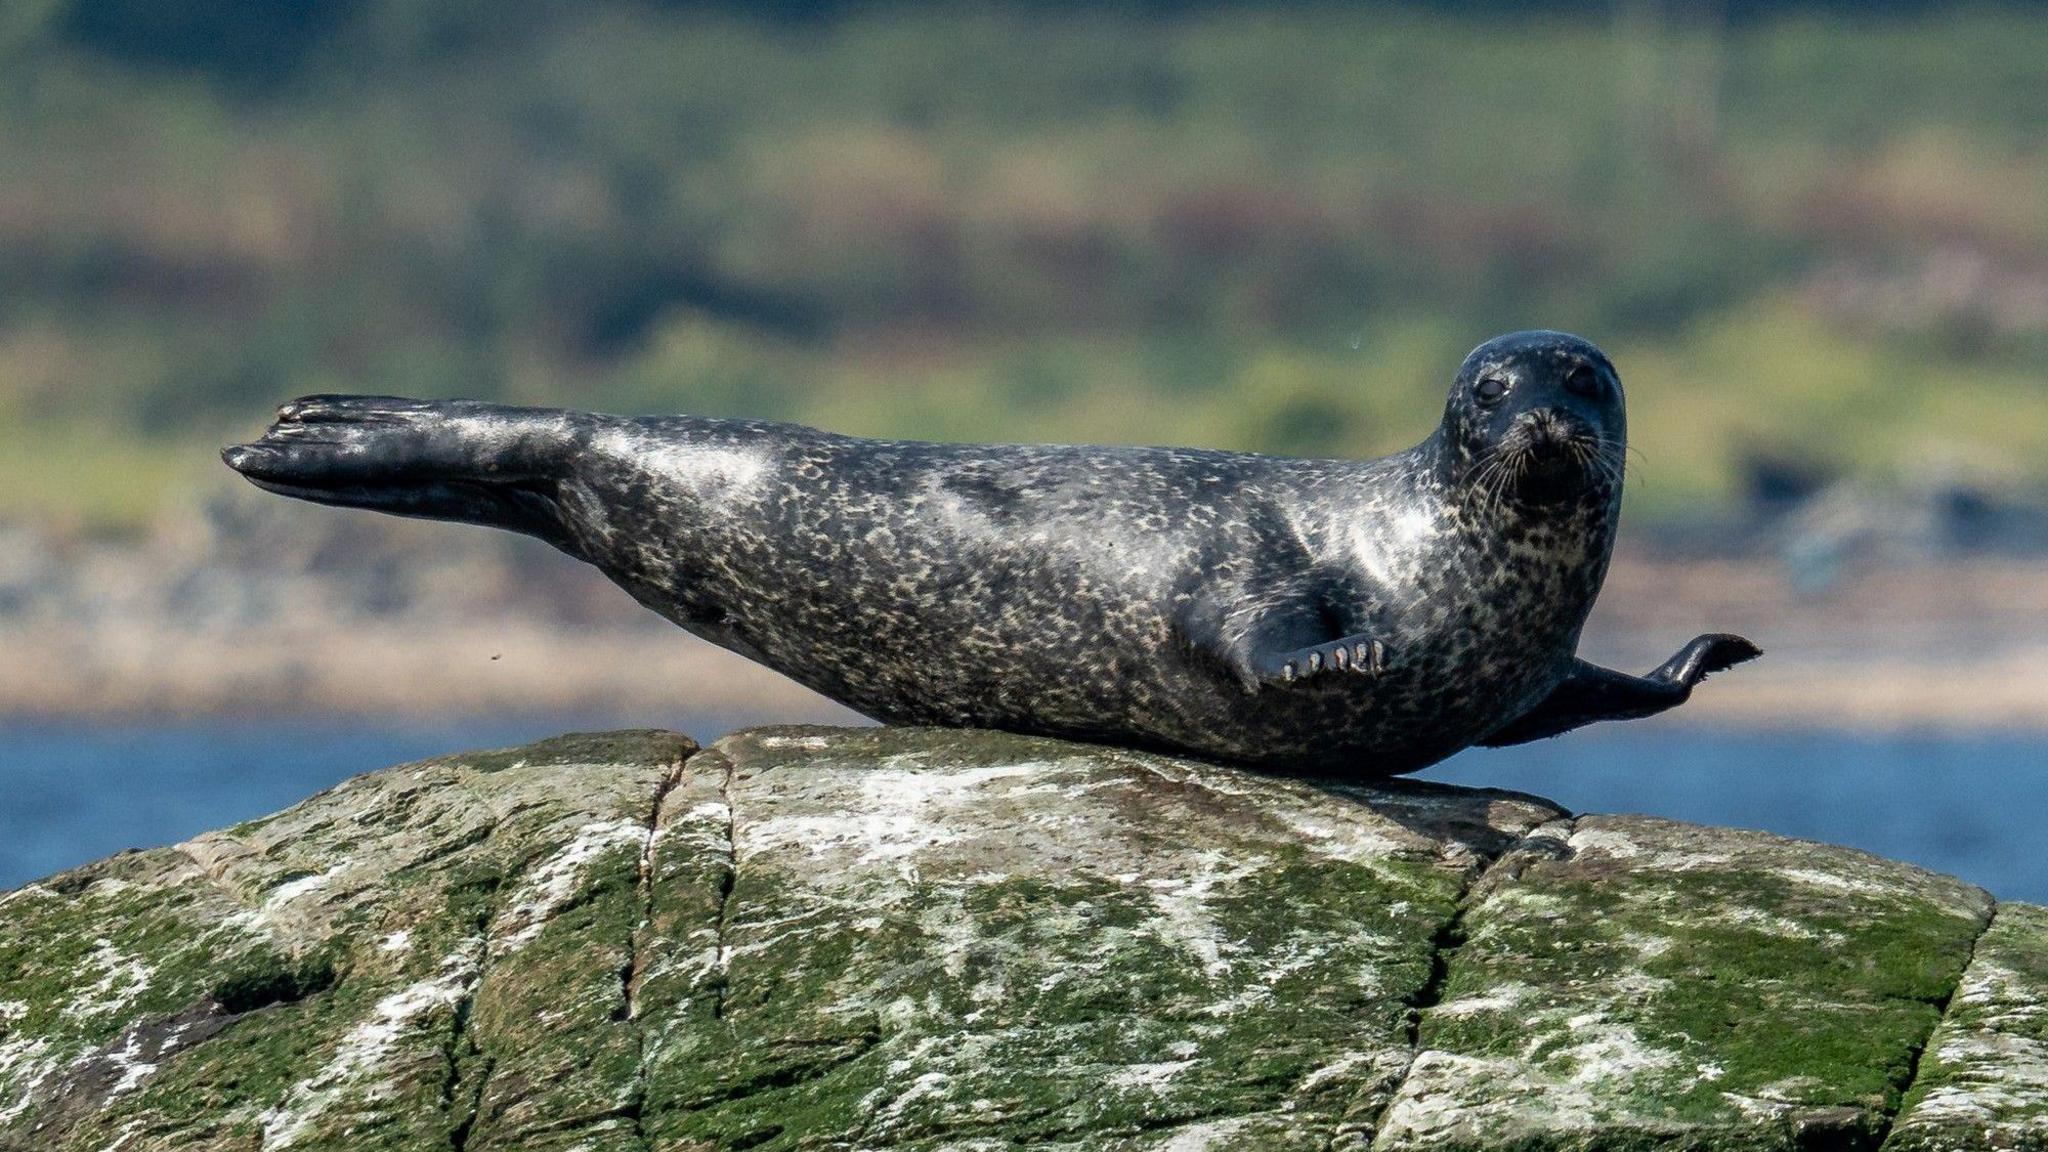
(1290, 629)
(1591, 693)
(1361, 655)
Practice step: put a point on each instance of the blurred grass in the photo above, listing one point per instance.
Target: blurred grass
(78, 478)
(1272, 228)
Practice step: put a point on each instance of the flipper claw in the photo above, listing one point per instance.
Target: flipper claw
(1357, 655)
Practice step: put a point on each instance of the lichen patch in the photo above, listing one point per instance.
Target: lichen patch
(120, 979)
(128, 1061)
(25, 1063)
(301, 886)
(554, 882)
(355, 1066)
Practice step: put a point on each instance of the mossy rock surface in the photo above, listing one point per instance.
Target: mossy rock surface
(1983, 1082)
(914, 939)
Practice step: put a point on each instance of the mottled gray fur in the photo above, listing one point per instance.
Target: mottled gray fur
(1328, 616)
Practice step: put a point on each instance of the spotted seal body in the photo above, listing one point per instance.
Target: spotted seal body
(1326, 616)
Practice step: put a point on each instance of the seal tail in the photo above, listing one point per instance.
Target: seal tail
(441, 460)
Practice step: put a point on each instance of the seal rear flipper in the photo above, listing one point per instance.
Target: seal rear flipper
(443, 460)
(1704, 656)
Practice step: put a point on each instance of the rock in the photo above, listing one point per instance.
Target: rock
(1983, 1083)
(916, 939)
(1652, 981)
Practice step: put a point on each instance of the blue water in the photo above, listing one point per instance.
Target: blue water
(1974, 806)
(1969, 805)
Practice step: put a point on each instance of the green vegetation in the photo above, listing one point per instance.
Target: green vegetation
(1273, 228)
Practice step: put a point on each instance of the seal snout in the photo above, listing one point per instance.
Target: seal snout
(1548, 430)
(1551, 452)
(1550, 427)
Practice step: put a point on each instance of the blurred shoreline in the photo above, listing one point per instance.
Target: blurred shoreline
(527, 669)
(254, 608)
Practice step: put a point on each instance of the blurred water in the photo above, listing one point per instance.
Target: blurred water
(1967, 804)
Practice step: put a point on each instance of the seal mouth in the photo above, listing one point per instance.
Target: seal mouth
(1547, 455)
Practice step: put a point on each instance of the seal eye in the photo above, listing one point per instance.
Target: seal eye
(1582, 381)
(1489, 390)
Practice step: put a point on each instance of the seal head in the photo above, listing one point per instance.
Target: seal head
(1537, 417)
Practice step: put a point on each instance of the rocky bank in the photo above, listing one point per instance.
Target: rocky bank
(909, 939)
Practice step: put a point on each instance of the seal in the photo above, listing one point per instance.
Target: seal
(1332, 617)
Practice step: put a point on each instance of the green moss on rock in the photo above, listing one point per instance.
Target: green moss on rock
(632, 746)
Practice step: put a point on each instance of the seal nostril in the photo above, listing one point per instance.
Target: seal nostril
(1548, 426)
